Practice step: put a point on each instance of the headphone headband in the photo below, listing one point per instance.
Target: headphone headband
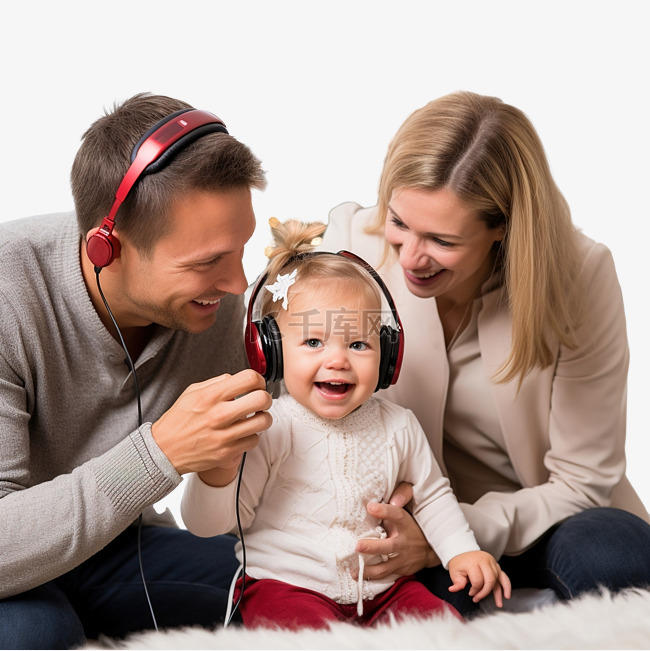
(151, 153)
(156, 142)
(345, 254)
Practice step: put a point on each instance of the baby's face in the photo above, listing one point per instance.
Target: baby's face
(330, 345)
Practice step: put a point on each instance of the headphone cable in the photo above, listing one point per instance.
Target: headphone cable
(232, 609)
(131, 366)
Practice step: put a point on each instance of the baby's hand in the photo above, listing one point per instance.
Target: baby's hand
(483, 573)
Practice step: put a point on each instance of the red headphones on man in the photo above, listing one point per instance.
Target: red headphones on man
(151, 153)
(263, 339)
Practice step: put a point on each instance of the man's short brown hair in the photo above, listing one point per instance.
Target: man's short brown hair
(215, 162)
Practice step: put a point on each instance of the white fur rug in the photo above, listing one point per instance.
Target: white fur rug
(602, 621)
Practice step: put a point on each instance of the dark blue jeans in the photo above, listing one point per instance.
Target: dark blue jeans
(187, 577)
(601, 547)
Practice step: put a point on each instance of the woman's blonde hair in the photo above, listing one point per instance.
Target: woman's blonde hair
(490, 156)
(293, 242)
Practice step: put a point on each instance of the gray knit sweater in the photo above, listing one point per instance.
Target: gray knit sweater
(75, 470)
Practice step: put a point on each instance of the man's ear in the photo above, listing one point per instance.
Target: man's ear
(102, 248)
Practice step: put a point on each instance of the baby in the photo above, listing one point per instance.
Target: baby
(332, 449)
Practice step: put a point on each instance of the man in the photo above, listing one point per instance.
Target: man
(86, 444)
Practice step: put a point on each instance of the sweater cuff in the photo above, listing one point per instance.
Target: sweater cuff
(130, 474)
(209, 510)
(458, 543)
(158, 456)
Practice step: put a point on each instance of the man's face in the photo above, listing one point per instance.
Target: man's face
(194, 265)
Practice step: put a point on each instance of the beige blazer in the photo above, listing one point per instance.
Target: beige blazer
(564, 431)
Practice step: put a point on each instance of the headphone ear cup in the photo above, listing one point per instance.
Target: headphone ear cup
(102, 248)
(271, 341)
(254, 350)
(389, 347)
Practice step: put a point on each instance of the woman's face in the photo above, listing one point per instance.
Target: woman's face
(444, 247)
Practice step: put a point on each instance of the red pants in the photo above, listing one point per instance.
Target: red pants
(268, 603)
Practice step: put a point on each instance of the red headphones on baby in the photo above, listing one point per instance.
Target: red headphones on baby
(151, 153)
(263, 338)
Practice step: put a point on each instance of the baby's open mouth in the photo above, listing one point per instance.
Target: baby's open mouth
(333, 388)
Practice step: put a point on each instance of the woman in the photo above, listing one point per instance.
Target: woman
(516, 351)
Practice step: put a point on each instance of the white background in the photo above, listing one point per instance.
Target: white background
(317, 90)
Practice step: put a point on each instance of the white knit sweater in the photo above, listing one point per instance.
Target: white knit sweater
(305, 489)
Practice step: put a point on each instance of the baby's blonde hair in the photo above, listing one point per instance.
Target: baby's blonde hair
(293, 245)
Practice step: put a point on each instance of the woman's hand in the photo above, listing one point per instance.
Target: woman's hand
(405, 546)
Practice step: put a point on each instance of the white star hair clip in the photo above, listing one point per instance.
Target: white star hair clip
(280, 287)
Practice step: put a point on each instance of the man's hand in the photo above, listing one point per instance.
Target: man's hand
(405, 546)
(213, 423)
(483, 573)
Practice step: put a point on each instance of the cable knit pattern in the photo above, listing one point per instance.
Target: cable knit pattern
(305, 489)
(356, 459)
